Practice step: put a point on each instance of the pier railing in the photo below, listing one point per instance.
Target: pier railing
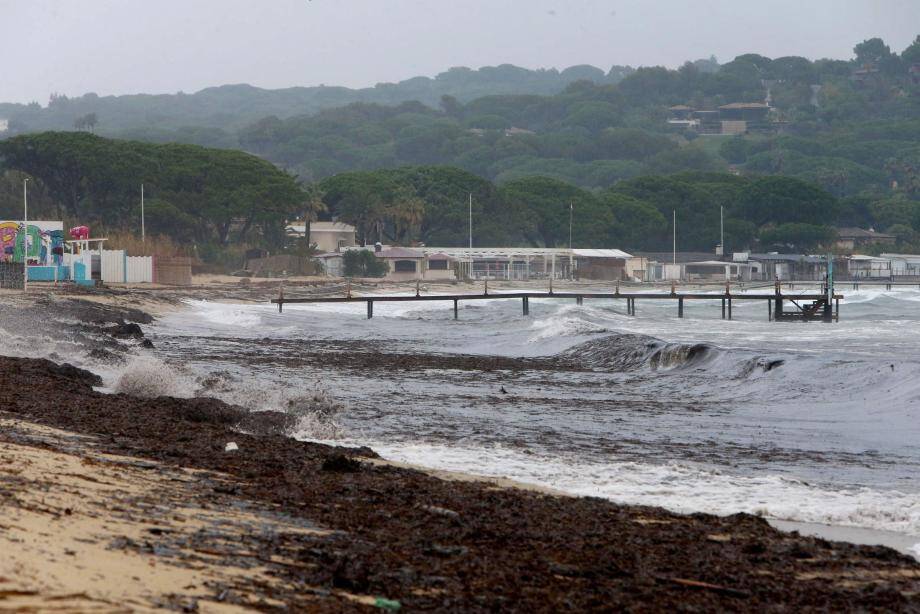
(780, 307)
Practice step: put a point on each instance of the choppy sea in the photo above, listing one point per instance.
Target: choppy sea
(809, 422)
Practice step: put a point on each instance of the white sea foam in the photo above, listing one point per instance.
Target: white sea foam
(36, 343)
(148, 377)
(678, 487)
(563, 326)
(229, 314)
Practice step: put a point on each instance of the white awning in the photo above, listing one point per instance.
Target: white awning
(601, 253)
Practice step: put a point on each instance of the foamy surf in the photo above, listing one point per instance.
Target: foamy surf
(677, 487)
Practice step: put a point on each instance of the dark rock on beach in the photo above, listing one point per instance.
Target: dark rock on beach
(126, 330)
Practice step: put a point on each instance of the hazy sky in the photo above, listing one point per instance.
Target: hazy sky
(156, 46)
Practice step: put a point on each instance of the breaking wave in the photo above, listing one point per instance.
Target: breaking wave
(148, 377)
(632, 352)
(314, 409)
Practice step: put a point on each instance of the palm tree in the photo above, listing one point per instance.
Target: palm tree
(312, 207)
(407, 212)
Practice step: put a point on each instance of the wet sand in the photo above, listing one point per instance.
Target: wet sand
(906, 544)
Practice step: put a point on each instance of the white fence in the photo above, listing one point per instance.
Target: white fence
(139, 269)
(114, 266)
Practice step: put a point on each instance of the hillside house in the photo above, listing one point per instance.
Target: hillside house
(328, 236)
(744, 111)
(914, 73)
(850, 239)
(732, 118)
(865, 75)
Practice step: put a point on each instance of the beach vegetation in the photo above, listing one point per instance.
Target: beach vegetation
(363, 263)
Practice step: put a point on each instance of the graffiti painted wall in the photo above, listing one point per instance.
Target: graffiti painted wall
(44, 241)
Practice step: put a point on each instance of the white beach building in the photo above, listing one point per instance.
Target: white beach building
(904, 264)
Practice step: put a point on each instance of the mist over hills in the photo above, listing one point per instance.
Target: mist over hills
(230, 107)
(790, 148)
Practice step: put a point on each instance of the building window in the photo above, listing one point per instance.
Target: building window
(404, 266)
(437, 265)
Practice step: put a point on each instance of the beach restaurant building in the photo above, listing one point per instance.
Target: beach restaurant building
(903, 265)
(508, 263)
(404, 264)
(525, 263)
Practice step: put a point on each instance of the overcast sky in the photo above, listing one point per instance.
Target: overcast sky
(157, 46)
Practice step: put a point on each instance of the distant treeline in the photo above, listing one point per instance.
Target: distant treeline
(850, 132)
(217, 200)
(841, 144)
(429, 204)
(852, 127)
(209, 197)
(216, 111)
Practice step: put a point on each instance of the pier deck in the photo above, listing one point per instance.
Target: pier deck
(819, 309)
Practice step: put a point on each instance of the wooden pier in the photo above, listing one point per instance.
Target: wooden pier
(780, 307)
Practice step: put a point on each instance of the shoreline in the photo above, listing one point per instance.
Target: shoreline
(469, 544)
(457, 523)
(901, 542)
(862, 536)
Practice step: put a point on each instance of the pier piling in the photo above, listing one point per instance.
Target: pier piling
(370, 309)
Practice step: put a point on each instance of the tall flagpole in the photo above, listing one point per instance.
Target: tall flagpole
(571, 211)
(471, 236)
(25, 235)
(674, 253)
(571, 255)
(143, 236)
